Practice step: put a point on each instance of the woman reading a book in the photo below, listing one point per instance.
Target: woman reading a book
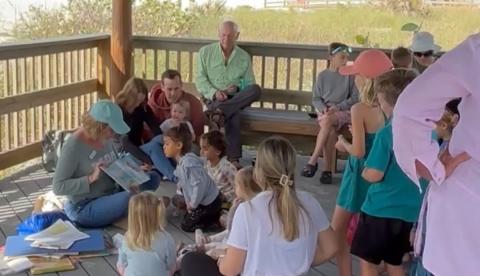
(132, 99)
(95, 200)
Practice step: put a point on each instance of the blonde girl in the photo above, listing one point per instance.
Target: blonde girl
(147, 248)
(245, 189)
(288, 226)
(367, 118)
(179, 114)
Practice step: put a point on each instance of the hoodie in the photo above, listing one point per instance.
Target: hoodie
(160, 106)
(197, 186)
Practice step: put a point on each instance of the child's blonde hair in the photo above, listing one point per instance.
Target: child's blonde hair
(275, 171)
(146, 217)
(245, 181)
(185, 106)
(367, 93)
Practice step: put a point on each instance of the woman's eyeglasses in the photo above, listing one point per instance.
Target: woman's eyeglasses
(423, 54)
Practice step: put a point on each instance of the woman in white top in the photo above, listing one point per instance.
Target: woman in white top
(281, 231)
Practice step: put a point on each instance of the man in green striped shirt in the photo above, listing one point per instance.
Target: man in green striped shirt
(226, 81)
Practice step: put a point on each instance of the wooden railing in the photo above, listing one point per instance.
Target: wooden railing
(46, 85)
(49, 84)
(286, 72)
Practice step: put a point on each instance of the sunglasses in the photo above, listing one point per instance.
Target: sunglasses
(424, 54)
(341, 49)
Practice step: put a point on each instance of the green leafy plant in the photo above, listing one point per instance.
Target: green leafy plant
(364, 41)
(411, 27)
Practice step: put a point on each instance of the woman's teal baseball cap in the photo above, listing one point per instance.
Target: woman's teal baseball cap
(108, 112)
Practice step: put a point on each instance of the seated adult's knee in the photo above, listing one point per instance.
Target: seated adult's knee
(257, 91)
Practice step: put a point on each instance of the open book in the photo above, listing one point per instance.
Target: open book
(126, 171)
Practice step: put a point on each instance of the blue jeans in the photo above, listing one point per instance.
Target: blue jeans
(164, 165)
(105, 210)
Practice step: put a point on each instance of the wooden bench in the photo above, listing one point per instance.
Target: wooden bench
(258, 123)
(297, 126)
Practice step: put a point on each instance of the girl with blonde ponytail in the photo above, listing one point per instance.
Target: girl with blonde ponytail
(147, 248)
(367, 118)
(288, 226)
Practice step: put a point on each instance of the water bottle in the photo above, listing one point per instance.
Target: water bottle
(242, 84)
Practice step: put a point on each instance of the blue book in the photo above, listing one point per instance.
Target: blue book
(16, 246)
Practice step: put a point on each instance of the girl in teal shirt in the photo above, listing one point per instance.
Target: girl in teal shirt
(367, 118)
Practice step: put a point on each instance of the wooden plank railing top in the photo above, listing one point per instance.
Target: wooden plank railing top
(310, 51)
(49, 46)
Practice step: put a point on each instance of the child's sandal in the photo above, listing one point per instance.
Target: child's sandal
(309, 170)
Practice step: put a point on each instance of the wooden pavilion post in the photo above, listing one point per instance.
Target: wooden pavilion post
(120, 45)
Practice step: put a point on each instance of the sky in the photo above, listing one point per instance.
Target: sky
(7, 7)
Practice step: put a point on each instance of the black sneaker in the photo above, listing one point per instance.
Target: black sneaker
(326, 178)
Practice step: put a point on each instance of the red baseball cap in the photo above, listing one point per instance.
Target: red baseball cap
(369, 63)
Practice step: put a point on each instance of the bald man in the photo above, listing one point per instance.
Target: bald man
(226, 81)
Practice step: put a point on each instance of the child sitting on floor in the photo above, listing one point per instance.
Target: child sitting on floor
(178, 114)
(393, 201)
(147, 249)
(245, 188)
(202, 198)
(213, 147)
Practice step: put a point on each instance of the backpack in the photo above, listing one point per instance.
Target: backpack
(52, 144)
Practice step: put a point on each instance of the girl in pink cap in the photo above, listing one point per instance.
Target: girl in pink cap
(452, 241)
(367, 118)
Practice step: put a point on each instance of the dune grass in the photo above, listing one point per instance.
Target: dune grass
(322, 26)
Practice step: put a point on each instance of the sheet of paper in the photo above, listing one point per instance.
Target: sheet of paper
(60, 235)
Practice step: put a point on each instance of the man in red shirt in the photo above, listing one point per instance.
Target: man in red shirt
(168, 91)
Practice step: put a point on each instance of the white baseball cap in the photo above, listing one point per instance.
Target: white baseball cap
(423, 42)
